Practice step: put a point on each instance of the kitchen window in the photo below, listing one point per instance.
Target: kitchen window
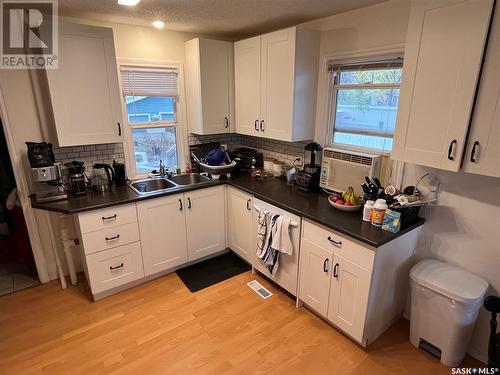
(364, 103)
(150, 99)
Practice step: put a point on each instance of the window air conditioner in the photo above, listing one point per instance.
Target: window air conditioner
(341, 169)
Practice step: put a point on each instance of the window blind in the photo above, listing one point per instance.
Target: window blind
(138, 81)
(371, 65)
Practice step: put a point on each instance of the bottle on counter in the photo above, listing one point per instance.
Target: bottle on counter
(367, 211)
(378, 212)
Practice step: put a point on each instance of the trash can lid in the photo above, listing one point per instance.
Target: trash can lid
(449, 280)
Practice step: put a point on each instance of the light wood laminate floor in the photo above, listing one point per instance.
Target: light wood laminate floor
(162, 328)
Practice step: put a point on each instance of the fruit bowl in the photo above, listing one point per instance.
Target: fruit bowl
(343, 207)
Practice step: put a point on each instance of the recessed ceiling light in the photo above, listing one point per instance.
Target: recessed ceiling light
(159, 24)
(129, 3)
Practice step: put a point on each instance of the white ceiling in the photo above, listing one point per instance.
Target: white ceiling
(224, 18)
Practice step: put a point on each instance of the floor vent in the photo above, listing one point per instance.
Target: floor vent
(259, 289)
(428, 347)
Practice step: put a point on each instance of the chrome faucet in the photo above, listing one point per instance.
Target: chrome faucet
(162, 169)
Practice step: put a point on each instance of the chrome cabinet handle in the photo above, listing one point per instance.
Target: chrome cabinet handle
(256, 125)
(248, 204)
(105, 218)
(338, 243)
(261, 125)
(226, 122)
(451, 153)
(113, 238)
(325, 265)
(189, 202)
(116, 267)
(180, 204)
(119, 129)
(473, 152)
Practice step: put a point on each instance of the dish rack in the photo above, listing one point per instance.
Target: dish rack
(215, 171)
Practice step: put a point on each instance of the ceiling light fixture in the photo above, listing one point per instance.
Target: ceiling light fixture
(129, 3)
(159, 24)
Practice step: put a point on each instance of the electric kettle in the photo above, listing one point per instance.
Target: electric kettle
(100, 182)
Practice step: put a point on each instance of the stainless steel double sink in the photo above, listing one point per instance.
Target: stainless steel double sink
(159, 184)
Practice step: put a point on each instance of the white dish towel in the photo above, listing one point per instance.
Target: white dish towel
(281, 236)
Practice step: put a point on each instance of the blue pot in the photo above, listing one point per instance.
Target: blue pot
(215, 157)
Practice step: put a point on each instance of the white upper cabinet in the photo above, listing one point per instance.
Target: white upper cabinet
(276, 84)
(247, 85)
(209, 86)
(84, 89)
(483, 147)
(444, 50)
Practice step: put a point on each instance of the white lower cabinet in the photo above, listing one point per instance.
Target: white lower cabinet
(315, 270)
(205, 221)
(112, 268)
(163, 233)
(335, 275)
(241, 234)
(348, 300)
(181, 228)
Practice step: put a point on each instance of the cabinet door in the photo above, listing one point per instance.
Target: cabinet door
(349, 297)
(216, 81)
(84, 89)
(443, 55)
(205, 221)
(314, 283)
(163, 233)
(277, 84)
(483, 149)
(241, 233)
(247, 85)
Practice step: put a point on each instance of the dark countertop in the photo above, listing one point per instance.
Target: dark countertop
(313, 206)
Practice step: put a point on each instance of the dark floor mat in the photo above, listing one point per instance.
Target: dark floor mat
(212, 271)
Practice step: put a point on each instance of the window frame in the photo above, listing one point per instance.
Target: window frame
(178, 124)
(333, 89)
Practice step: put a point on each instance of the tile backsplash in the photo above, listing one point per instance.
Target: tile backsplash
(283, 151)
(106, 153)
(91, 154)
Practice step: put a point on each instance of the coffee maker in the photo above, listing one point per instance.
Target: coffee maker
(77, 184)
(45, 172)
(308, 178)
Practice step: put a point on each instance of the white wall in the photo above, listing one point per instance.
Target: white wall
(144, 43)
(369, 31)
(463, 228)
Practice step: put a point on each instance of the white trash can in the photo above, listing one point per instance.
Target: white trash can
(445, 301)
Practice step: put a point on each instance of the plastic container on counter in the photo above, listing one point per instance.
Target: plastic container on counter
(378, 212)
(367, 211)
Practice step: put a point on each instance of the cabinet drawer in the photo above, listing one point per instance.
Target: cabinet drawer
(340, 244)
(111, 268)
(107, 218)
(110, 237)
